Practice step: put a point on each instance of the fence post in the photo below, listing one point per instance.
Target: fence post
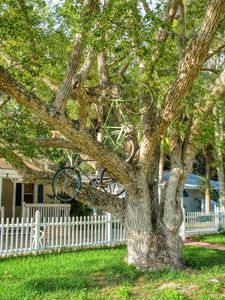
(24, 210)
(37, 232)
(2, 212)
(182, 228)
(217, 219)
(222, 219)
(109, 229)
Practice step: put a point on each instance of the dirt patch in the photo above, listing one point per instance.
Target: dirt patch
(220, 247)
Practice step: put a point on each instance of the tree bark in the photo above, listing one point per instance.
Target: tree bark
(161, 169)
(151, 244)
(221, 177)
(207, 180)
(219, 133)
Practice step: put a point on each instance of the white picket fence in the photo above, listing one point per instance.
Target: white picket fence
(202, 223)
(37, 235)
(46, 210)
(33, 236)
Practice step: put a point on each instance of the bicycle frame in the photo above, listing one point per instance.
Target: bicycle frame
(118, 131)
(77, 167)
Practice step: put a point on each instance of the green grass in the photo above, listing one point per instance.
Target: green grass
(103, 274)
(211, 238)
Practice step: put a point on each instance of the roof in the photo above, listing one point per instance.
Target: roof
(4, 165)
(193, 182)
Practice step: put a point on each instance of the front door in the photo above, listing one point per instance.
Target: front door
(24, 193)
(7, 197)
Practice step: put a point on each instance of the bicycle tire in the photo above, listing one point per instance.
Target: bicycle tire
(132, 151)
(108, 140)
(108, 184)
(143, 110)
(63, 182)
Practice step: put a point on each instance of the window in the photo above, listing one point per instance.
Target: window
(18, 194)
(29, 192)
(185, 194)
(26, 192)
(40, 193)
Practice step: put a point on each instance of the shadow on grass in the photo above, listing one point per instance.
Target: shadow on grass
(198, 257)
(97, 278)
(90, 273)
(115, 272)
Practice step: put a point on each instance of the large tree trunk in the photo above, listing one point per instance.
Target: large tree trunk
(153, 227)
(153, 239)
(152, 245)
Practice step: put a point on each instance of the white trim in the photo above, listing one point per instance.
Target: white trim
(0, 192)
(4, 173)
(22, 194)
(14, 198)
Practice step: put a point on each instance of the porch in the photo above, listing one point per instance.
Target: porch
(22, 200)
(47, 211)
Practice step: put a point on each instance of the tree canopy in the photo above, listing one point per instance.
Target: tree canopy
(65, 66)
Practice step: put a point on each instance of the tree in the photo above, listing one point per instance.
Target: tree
(218, 150)
(115, 46)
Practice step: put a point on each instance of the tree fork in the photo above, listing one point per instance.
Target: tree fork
(81, 139)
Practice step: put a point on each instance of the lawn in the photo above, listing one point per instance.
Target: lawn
(211, 238)
(102, 274)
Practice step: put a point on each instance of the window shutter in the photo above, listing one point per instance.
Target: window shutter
(18, 194)
(40, 193)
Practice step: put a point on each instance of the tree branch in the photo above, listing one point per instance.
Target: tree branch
(29, 172)
(4, 101)
(81, 139)
(103, 70)
(162, 34)
(146, 6)
(216, 50)
(190, 66)
(170, 15)
(87, 195)
(75, 58)
(54, 143)
(218, 91)
(182, 31)
(215, 71)
(123, 71)
(82, 75)
(158, 51)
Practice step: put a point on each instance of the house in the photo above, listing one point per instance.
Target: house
(16, 196)
(193, 195)
(14, 193)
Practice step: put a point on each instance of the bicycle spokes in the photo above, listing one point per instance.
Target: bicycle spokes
(66, 184)
(110, 184)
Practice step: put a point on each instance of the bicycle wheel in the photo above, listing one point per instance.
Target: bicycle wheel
(137, 98)
(121, 144)
(66, 184)
(110, 185)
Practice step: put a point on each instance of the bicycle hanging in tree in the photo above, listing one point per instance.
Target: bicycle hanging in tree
(67, 181)
(134, 100)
